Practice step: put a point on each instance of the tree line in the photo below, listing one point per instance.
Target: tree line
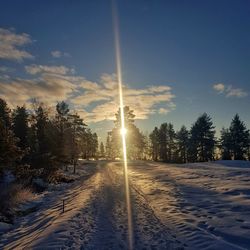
(41, 138)
(49, 139)
(199, 144)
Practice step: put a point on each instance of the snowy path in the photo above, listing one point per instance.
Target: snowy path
(95, 218)
(196, 206)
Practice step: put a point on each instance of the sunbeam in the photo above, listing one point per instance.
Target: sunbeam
(123, 127)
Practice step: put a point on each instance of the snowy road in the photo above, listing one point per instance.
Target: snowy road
(196, 206)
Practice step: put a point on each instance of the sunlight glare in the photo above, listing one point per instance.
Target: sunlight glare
(123, 131)
(123, 128)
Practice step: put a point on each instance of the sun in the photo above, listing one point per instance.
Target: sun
(123, 131)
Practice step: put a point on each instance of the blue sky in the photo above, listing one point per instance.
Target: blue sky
(179, 58)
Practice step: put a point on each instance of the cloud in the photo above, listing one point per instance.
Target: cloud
(235, 92)
(229, 90)
(59, 54)
(95, 101)
(39, 69)
(219, 87)
(105, 99)
(49, 84)
(163, 111)
(10, 45)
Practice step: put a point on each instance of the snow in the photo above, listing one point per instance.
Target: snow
(4, 227)
(189, 206)
(207, 205)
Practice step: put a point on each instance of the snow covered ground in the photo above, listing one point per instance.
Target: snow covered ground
(207, 205)
(191, 206)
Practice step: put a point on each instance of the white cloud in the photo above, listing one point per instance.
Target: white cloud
(96, 101)
(229, 90)
(219, 87)
(10, 45)
(163, 111)
(39, 69)
(58, 54)
(235, 92)
(105, 98)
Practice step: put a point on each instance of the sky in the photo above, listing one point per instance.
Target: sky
(179, 59)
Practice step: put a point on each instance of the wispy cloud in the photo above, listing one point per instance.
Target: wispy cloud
(59, 54)
(104, 96)
(229, 90)
(10, 45)
(95, 101)
(163, 111)
(38, 69)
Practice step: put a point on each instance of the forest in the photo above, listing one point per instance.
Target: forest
(47, 139)
(43, 140)
(199, 144)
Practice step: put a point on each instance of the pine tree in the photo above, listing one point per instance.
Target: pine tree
(182, 138)
(9, 151)
(202, 140)
(62, 126)
(77, 131)
(239, 138)
(5, 114)
(41, 117)
(102, 151)
(154, 139)
(108, 147)
(163, 141)
(20, 126)
(226, 144)
(135, 139)
(171, 146)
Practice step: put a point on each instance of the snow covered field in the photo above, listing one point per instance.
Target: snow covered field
(191, 206)
(207, 205)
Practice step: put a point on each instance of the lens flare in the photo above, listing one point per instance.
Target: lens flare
(123, 128)
(123, 131)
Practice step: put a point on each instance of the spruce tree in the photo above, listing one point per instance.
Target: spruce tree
(154, 139)
(239, 135)
(163, 141)
(62, 125)
(226, 144)
(20, 126)
(102, 151)
(5, 114)
(9, 151)
(202, 139)
(182, 138)
(134, 137)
